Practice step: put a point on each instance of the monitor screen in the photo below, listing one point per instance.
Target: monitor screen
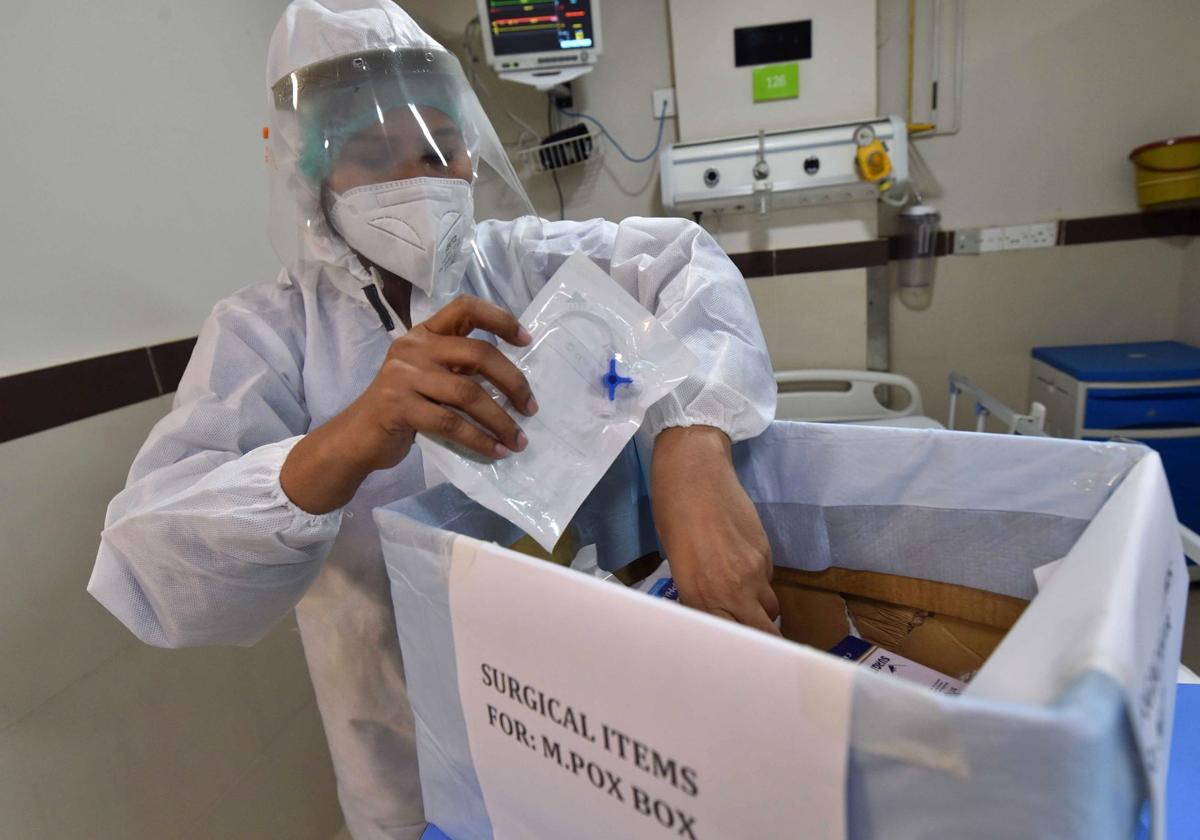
(521, 26)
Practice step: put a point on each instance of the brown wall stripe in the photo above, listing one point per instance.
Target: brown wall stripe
(44, 399)
(1180, 222)
(170, 360)
(832, 257)
(1183, 221)
(755, 263)
(941, 245)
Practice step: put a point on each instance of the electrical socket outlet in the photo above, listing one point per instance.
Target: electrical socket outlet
(664, 96)
(1012, 238)
(1043, 235)
(1016, 237)
(978, 240)
(988, 240)
(991, 239)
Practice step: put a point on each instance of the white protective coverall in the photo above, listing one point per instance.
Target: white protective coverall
(203, 547)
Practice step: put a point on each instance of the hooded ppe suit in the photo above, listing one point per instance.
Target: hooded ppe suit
(203, 547)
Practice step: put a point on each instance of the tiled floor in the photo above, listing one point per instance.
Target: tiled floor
(1191, 630)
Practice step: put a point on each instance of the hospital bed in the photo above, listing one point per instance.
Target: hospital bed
(865, 397)
(851, 396)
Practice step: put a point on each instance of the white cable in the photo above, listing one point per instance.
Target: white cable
(885, 197)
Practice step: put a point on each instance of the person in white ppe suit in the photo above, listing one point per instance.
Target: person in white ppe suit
(297, 413)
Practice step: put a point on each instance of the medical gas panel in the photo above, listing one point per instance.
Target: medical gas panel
(785, 169)
(776, 104)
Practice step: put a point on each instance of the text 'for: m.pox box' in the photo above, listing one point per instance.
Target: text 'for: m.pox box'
(551, 704)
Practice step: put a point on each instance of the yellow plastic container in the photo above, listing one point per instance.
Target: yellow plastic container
(1167, 171)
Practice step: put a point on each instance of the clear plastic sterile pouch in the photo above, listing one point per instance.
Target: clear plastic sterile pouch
(597, 362)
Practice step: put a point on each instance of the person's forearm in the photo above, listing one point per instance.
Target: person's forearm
(719, 553)
(317, 476)
(686, 452)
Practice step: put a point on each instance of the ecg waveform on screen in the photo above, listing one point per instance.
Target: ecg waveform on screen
(534, 26)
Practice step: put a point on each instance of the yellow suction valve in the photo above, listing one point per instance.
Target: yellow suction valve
(871, 158)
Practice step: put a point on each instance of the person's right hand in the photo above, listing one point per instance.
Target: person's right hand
(427, 372)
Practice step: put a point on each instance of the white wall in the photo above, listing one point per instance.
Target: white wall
(814, 320)
(989, 312)
(1188, 324)
(134, 198)
(1056, 96)
(133, 171)
(102, 736)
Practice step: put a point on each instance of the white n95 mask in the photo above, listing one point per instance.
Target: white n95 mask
(419, 229)
(597, 362)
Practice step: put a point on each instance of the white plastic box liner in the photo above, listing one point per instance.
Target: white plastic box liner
(680, 724)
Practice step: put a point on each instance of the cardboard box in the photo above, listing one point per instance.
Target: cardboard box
(678, 721)
(951, 629)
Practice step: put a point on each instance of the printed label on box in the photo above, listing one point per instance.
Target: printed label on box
(595, 712)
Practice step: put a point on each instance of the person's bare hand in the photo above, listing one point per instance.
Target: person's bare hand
(424, 383)
(719, 554)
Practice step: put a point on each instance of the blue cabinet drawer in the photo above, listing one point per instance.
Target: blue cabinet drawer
(1142, 408)
(1181, 462)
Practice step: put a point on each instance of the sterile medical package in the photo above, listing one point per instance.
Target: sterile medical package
(885, 662)
(597, 362)
(926, 542)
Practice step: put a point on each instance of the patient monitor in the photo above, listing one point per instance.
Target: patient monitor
(543, 44)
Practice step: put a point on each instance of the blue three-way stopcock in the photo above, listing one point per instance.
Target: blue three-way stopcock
(612, 379)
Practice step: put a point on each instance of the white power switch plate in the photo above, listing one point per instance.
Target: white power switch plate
(664, 96)
(966, 241)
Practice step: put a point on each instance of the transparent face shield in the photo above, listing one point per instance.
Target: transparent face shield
(386, 159)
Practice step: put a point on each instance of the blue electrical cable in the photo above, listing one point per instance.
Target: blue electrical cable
(662, 120)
